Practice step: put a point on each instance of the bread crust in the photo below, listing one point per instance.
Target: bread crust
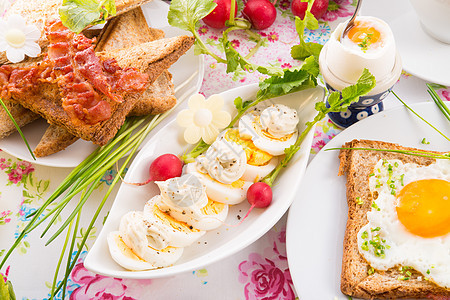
(355, 280)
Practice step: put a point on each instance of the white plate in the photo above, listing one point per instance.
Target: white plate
(318, 216)
(189, 66)
(422, 55)
(215, 244)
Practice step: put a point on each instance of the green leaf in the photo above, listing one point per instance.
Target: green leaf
(291, 81)
(185, 14)
(78, 14)
(238, 103)
(233, 57)
(310, 21)
(304, 49)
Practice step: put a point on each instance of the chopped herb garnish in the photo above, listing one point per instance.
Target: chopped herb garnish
(374, 205)
(370, 271)
(359, 201)
(424, 141)
(428, 271)
(365, 43)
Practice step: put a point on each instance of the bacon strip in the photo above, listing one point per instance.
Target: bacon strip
(82, 78)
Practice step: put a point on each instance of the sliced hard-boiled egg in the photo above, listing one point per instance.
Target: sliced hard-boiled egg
(233, 193)
(273, 130)
(211, 216)
(179, 233)
(149, 259)
(259, 162)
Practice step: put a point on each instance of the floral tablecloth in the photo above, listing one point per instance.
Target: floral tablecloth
(260, 271)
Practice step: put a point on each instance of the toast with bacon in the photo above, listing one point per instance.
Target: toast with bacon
(39, 11)
(97, 91)
(123, 31)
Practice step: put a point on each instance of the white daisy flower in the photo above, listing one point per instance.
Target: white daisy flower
(204, 118)
(18, 39)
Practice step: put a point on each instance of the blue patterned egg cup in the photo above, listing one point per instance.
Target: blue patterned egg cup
(366, 106)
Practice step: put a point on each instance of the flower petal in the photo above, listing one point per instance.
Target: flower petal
(196, 101)
(221, 119)
(214, 102)
(31, 49)
(192, 134)
(185, 118)
(32, 33)
(209, 134)
(3, 45)
(17, 22)
(14, 55)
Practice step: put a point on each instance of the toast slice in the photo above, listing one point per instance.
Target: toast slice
(21, 115)
(124, 31)
(38, 11)
(152, 58)
(357, 279)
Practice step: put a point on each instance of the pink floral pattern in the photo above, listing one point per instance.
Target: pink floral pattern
(98, 287)
(267, 276)
(338, 9)
(17, 171)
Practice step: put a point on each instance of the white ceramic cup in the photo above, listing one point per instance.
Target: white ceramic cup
(434, 15)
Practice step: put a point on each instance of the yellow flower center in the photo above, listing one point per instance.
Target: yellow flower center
(15, 38)
(202, 117)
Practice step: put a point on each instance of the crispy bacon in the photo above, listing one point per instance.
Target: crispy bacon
(82, 78)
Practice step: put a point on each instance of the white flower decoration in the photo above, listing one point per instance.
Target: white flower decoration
(17, 38)
(204, 118)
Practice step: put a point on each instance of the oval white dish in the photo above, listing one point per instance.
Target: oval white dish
(224, 241)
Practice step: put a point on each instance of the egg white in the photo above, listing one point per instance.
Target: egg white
(248, 129)
(429, 256)
(200, 222)
(128, 259)
(217, 191)
(178, 235)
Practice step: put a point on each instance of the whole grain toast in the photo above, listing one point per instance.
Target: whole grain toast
(21, 115)
(152, 58)
(38, 11)
(356, 280)
(124, 31)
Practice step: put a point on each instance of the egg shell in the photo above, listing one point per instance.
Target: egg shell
(348, 63)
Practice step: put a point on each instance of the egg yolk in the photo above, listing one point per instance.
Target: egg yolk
(255, 156)
(423, 207)
(364, 35)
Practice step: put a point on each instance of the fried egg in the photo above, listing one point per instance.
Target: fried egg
(409, 222)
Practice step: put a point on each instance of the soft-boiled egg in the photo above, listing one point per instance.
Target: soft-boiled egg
(369, 44)
(195, 209)
(409, 222)
(272, 130)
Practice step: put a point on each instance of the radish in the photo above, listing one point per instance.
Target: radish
(318, 9)
(259, 195)
(220, 14)
(261, 13)
(164, 167)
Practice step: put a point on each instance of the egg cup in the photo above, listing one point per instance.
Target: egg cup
(366, 105)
